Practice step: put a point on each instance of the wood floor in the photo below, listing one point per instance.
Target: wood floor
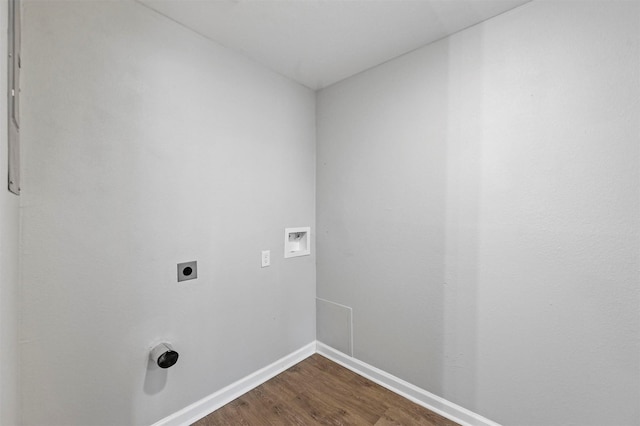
(320, 392)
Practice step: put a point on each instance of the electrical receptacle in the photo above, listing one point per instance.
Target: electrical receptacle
(266, 258)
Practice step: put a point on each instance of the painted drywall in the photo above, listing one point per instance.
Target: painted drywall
(145, 145)
(9, 260)
(478, 209)
(333, 325)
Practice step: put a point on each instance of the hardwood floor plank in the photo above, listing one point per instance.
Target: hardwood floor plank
(282, 387)
(325, 412)
(341, 393)
(272, 411)
(399, 416)
(318, 391)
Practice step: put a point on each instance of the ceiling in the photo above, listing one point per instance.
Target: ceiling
(320, 42)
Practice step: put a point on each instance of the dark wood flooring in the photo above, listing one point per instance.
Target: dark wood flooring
(318, 391)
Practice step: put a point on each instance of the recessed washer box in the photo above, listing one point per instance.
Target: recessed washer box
(297, 242)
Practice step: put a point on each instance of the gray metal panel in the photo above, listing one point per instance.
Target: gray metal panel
(14, 96)
(16, 39)
(14, 160)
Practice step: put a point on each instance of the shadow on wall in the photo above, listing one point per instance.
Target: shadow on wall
(397, 219)
(155, 378)
(463, 187)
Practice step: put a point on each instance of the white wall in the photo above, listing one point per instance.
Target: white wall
(9, 262)
(479, 207)
(146, 145)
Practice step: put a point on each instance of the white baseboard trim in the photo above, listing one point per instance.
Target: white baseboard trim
(418, 395)
(211, 403)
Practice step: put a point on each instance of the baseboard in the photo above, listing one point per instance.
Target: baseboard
(211, 403)
(420, 396)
